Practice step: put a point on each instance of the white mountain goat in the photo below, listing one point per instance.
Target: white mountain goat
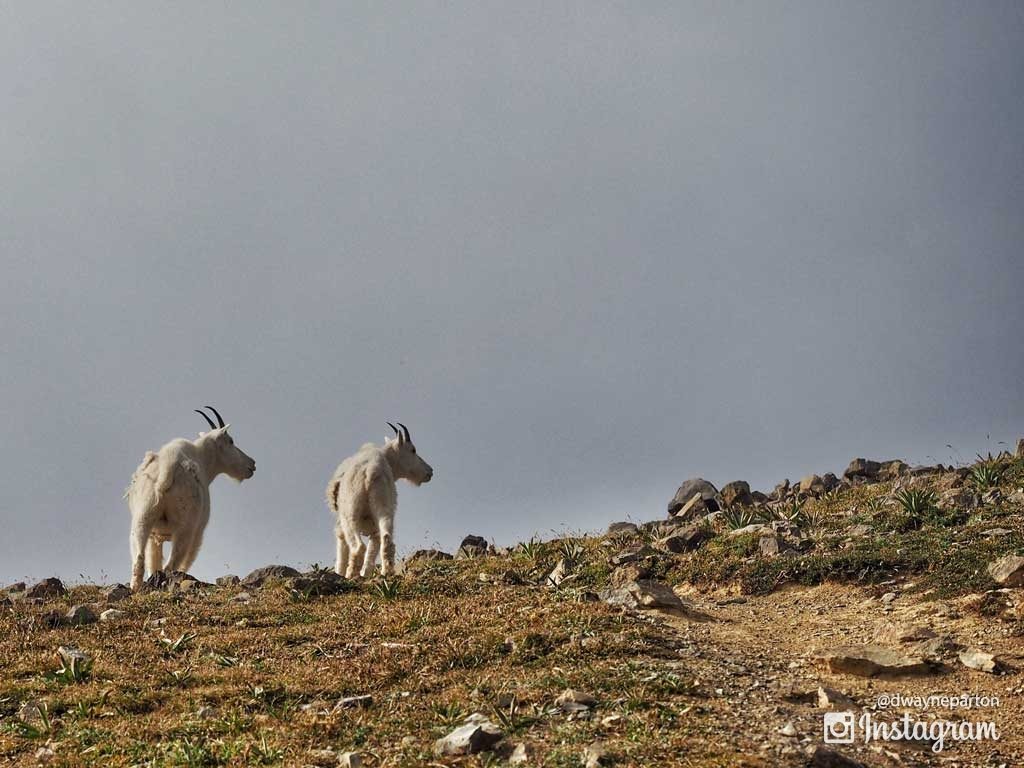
(363, 497)
(169, 496)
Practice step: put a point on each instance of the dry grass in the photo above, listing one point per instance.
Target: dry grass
(272, 670)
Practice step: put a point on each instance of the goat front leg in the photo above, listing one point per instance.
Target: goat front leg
(387, 543)
(154, 555)
(181, 546)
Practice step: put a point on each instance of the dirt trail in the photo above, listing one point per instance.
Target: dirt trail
(758, 663)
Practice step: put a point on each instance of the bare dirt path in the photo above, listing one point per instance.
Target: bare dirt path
(759, 664)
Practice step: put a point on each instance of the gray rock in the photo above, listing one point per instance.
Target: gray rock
(562, 571)
(46, 589)
(1020, 448)
(644, 594)
(594, 755)
(973, 658)
(81, 614)
(736, 494)
(631, 555)
(469, 739)
(1008, 571)
(472, 546)
(18, 586)
(874, 661)
(890, 470)
(830, 698)
(862, 468)
(261, 575)
(918, 470)
(770, 545)
(572, 700)
(812, 485)
(425, 555)
(117, 593)
(685, 539)
(319, 583)
(111, 614)
(228, 581)
(164, 581)
(521, 754)
(826, 757)
(617, 529)
(686, 492)
(752, 528)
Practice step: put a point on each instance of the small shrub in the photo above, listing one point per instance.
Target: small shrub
(986, 476)
(738, 517)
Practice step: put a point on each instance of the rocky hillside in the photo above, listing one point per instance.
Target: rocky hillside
(721, 635)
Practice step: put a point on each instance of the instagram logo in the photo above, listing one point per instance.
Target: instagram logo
(839, 727)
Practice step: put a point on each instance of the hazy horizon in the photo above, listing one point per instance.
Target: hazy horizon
(584, 252)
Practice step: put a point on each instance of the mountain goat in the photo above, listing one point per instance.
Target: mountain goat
(363, 497)
(169, 496)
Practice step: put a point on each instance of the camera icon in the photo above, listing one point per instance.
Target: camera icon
(839, 727)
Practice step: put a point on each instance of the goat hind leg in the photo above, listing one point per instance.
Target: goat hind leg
(356, 553)
(341, 559)
(139, 539)
(181, 547)
(370, 558)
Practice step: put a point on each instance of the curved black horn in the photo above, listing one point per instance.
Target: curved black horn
(406, 430)
(208, 419)
(219, 419)
(393, 427)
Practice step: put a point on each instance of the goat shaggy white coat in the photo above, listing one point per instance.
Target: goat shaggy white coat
(363, 496)
(169, 497)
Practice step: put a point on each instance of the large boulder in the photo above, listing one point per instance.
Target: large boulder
(812, 485)
(737, 494)
(890, 470)
(707, 496)
(863, 469)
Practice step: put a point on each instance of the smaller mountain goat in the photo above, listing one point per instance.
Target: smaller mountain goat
(363, 497)
(169, 496)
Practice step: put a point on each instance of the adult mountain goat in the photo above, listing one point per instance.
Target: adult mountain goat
(169, 496)
(363, 497)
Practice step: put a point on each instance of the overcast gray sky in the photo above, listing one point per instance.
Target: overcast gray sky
(584, 251)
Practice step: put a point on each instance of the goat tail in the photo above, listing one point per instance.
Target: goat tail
(332, 495)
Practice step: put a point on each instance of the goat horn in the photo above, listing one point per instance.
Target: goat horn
(208, 419)
(393, 427)
(219, 419)
(406, 430)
